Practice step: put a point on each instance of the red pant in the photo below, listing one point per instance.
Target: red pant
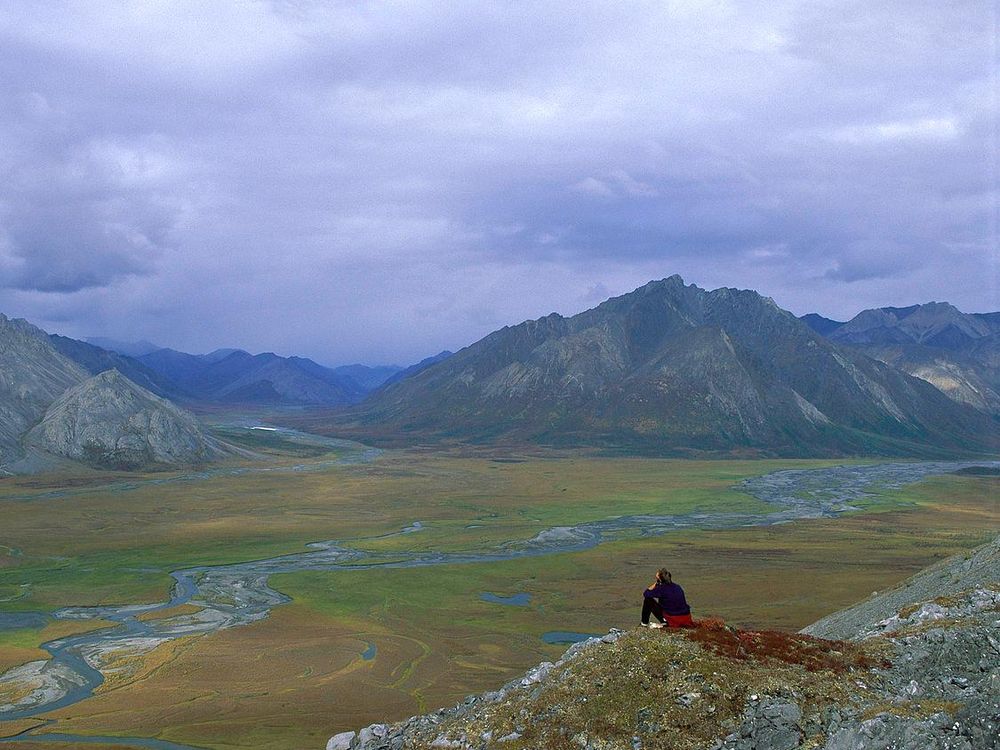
(679, 621)
(651, 606)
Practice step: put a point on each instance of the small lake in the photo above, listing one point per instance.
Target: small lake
(521, 599)
(369, 653)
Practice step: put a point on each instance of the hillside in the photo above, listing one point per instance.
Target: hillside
(34, 375)
(917, 670)
(110, 422)
(957, 352)
(671, 368)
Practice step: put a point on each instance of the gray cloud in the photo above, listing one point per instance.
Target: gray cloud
(380, 181)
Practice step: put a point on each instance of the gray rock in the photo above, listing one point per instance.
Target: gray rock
(34, 375)
(889, 732)
(342, 741)
(537, 674)
(370, 737)
(111, 422)
(966, 571)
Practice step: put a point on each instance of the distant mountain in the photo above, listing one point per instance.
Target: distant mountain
(95, 359)
(368, 378)
(936, 324)
(32, 375)
(128, 348)
(671, 368)
(238, 377)
(957, 352)
(49, 403)
(179, 368)
(110, 422)
(220, 354)
(233, 376)
(822, 326)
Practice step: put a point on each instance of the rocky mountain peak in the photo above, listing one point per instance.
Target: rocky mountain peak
(933, 323)
(671, 367)
(954, 351)
(109, 421)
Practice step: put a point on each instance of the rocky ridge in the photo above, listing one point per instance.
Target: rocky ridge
(957, 352)
(672, 369)
(32, 375)
(919, 670)
(110, 422)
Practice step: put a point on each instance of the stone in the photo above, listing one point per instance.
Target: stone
(342, 741)
(369, 737)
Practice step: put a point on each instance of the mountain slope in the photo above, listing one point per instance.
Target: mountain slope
(110, 422)
(671, 368)
(416, 368)
(822, 326)
(34, 374)
(959, 353)
(917, 671)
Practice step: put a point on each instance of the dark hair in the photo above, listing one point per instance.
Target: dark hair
(664, 575)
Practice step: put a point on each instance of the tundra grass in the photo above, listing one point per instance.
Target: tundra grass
(119, 546)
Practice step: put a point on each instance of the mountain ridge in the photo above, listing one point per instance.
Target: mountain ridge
(668, 368)
(957, 352)
(34, 375)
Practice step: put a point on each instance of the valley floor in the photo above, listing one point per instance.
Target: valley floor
(356, 646)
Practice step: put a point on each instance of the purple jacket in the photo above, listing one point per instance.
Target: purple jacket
(671, 598)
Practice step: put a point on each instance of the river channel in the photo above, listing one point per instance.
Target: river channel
(238, 594)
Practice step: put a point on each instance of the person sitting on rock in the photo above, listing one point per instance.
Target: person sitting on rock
(665, 600)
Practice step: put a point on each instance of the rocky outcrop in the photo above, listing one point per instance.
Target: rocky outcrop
(110, 422)
(32, 375)
(674, 369)
(920, 670)
(979, 568)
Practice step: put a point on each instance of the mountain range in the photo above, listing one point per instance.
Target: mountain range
(668, 369)
(233, 376)
(674, 369)
(110, 422)
(957, 352)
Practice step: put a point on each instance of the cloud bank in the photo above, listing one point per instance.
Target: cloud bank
(377, 182)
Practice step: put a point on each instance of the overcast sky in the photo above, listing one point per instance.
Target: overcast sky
(377, 181)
